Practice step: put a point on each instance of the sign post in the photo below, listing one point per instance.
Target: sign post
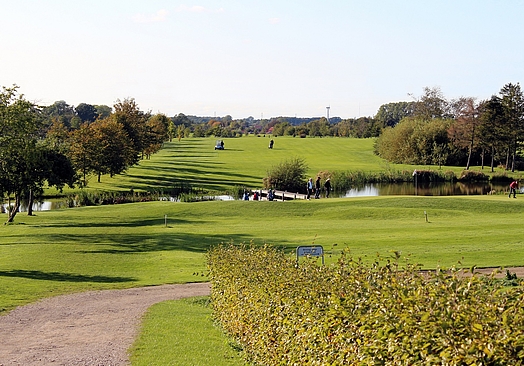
(310, 251)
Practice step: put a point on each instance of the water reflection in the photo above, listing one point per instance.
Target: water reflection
(426, 189)
(368, 190)
(53, 204)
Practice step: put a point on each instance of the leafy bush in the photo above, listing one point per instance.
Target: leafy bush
(501, 177)
(283, 313)
(473, 176)
(289, 175)
(94, 198)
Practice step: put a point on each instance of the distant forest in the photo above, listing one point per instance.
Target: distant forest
(429, 129)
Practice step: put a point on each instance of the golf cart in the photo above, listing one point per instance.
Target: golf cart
(219, 145)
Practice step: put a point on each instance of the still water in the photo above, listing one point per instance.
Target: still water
(368, 190)
(426, 189)
(46, 205)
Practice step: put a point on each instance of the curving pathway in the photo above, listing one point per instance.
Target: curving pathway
(89, 328)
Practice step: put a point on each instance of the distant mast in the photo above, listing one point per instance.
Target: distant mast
(327, 108)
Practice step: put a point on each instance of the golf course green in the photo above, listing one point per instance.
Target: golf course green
(151, 243)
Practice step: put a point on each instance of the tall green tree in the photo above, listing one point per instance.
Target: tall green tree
(463, 131)
(113, 150)
(103, 111)
(432, 104)
(84, 151)
(415, 141)
(25, 163)
(134, 121)
(513, 103)
(58, 111)
(18, 139)
(491, 129)
(86, 112)
(392, 113)
(157, 128)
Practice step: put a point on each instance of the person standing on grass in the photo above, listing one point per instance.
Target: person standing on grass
(327, 187)
(309, 188)
(513, 186)
(317, 188)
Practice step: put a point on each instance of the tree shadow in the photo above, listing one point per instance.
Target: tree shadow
(130, 223)
(132, 244)
(63, 277)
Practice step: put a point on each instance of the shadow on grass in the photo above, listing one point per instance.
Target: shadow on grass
(63, 277)
(131, 244)
(130, 223)
(134, 243)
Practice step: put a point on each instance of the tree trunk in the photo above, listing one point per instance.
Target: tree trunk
(492, 157)
(469, 156)
(30, 201)
(482, 158)
(513, 154)
(13, 210)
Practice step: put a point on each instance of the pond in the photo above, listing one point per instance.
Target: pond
(368, 190)
(46, 205)
(426, 189)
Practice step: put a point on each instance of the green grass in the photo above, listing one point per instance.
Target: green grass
(182, 333)
(129, 245)
(246, 161)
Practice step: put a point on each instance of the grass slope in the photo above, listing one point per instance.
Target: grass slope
(244, 162)
(130, 245)
(121, 246)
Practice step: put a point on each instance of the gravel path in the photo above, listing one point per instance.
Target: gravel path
(90, 328)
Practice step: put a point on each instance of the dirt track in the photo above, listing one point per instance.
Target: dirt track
(90, 328)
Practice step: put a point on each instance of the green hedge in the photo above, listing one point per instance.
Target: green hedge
(350, 313)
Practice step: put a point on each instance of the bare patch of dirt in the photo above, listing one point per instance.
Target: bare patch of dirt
(90, 328)
(501, 273)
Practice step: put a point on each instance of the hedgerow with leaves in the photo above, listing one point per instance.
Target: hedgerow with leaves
(284, 313)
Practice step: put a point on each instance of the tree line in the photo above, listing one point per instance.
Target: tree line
(432, 130)
(58, 145)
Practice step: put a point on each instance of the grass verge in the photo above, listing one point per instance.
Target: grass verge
(182, 333)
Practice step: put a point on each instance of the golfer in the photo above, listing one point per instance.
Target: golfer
(513, 186)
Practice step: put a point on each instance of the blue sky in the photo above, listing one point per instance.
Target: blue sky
(259, 58)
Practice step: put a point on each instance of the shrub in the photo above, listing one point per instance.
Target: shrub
(501, 177)
(350, 313)
(473, 176)
(289, 175)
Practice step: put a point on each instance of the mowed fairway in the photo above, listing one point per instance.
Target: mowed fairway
(244, 162)
(130, 245)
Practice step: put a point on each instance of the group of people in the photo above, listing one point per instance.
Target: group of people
(317, 187)
(257, 196)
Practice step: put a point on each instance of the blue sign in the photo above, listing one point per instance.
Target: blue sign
(311, 251)
(316, 251)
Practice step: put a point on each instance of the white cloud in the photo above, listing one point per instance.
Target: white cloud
(274, 20)
(197, 9)
(159, 16)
